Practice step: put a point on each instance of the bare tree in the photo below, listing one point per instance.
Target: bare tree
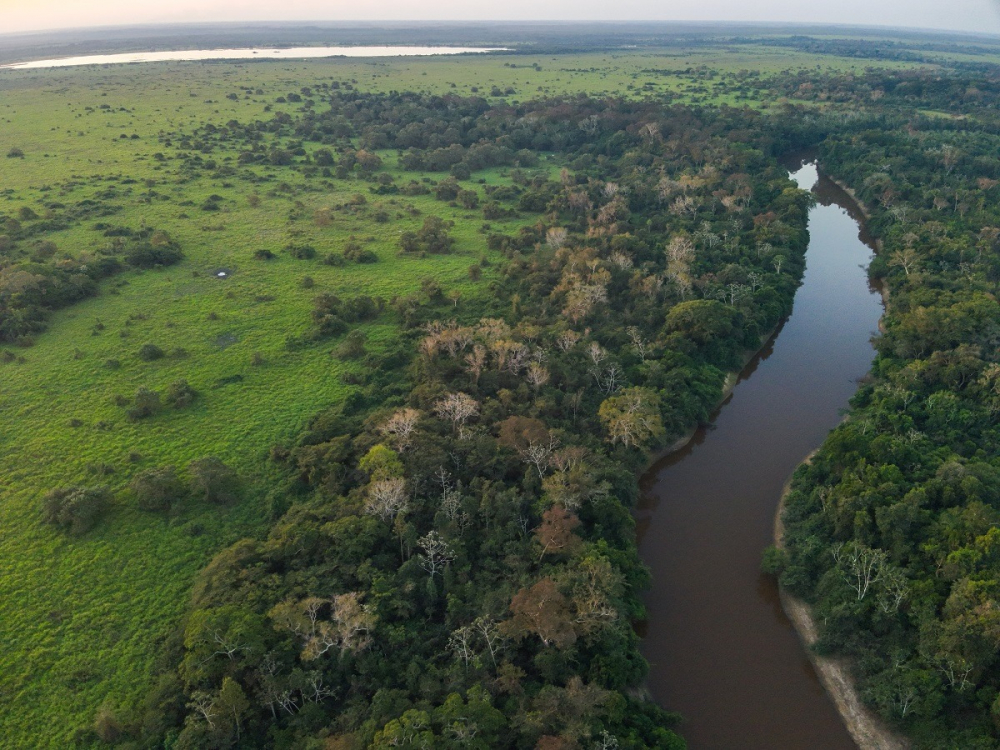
(475, 362)
(612, 379)
(387, 499)
(203, 703)
(861, 566)
(905, 258)
(437, 553)
(539, 455)
(950, 157)
(460, 643)
(596, 353)
(556, 237)
(457, 408)
(567, 340)
(400, 427)
(537, 375)
(487, 629)
(638, 342)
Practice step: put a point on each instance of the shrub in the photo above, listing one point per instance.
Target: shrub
(432, 237)
(157, 489)
(146, 255)
(179, 394)
(150, 352)
(145, 404)
(15, 153)
(107, 727)
(264, 255)
(75, 509)
(354, 252)
(301, 252)
(468, 198)
(353, 345)
(213, 480)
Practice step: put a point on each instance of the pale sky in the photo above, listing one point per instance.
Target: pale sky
(963, 15)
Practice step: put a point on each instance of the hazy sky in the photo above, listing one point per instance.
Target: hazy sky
(967, 15)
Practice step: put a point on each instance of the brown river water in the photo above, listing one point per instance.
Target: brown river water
(721, 650)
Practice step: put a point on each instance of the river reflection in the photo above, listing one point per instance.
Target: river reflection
(721, 650)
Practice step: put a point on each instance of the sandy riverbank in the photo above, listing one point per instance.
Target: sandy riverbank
(866, 728)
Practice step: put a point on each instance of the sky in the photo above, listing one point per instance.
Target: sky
(961, 15)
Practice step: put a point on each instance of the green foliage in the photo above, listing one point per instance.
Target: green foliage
(157, 489)
(432, 237)
(214, 481)
(75, 509)
(151, 352)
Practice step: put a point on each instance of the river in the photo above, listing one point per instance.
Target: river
(721, 650)
(289, 53)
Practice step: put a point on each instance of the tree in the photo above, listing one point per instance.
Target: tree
(457, 408)
(555, 533)
(632, 418)
(348, 627)
(400, 427)
(157, 489)
(213, 480)
(76, 509)
(232, 703)
(381, 462)
(387, 499)
(543, 611)
(145, 404)
(437, 554)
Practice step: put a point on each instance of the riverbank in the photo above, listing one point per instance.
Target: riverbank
(720, 648)
(866, 728)
(728, 386)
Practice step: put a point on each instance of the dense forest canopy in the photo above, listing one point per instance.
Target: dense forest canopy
(457, 563)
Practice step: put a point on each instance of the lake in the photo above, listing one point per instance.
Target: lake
(290, 53)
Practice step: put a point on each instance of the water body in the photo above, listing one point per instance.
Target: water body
(721, 650)
(291, 53)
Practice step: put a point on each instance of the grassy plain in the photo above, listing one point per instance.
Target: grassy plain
(82, 620)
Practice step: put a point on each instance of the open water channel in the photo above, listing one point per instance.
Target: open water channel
(721, 650)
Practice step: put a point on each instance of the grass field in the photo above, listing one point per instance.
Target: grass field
(82, 620)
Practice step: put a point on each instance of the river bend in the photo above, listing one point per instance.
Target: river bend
(721, 650)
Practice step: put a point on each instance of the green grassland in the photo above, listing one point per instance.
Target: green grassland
(82, 620)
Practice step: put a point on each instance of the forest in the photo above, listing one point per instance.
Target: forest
(457, 563)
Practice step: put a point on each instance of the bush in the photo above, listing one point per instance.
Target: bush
(15, 153)
(468, 199)
(179, 394)
(145, 404)
(301, 252)
(213, 480)
(157, 489)
(353, 345)
(264, 255)
(75, 509)
(432, 237)
(146, 255)
(354, 252)
(150, 352)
